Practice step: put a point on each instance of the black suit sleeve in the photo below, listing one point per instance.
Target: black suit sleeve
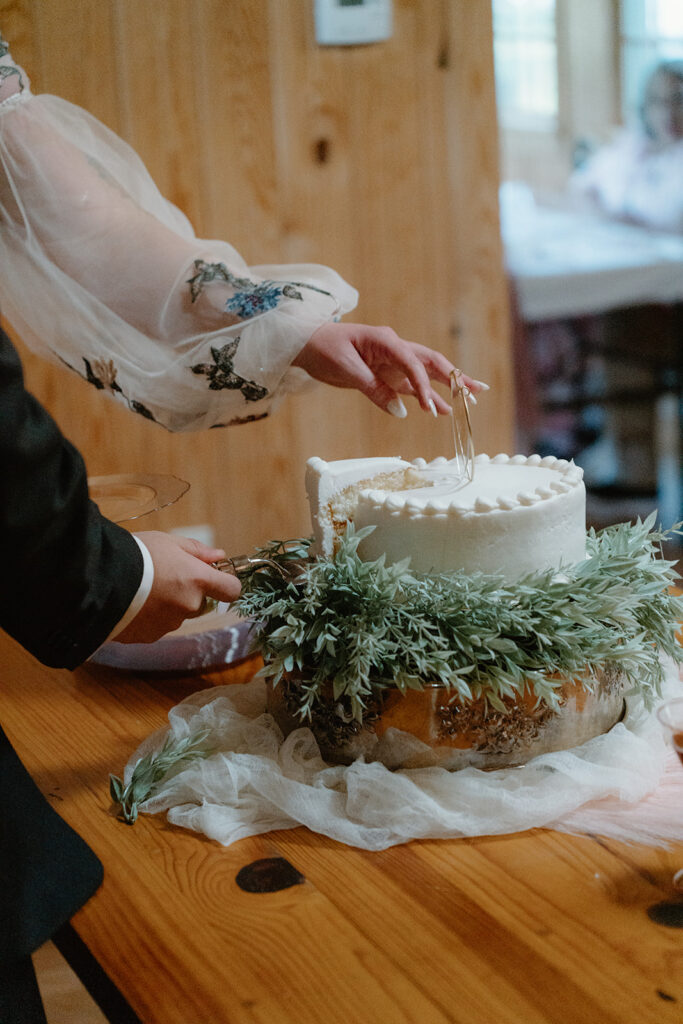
(67, 574)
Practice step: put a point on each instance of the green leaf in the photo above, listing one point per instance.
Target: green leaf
(116, 788)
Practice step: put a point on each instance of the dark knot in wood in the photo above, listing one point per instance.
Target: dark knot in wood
(270, 874)
(321, 150)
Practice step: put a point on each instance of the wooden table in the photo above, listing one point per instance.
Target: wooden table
(524, 929)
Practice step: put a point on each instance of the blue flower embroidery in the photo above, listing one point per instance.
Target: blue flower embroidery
(259, 299)
(250, 298)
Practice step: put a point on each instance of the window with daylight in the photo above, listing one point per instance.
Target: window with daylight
(525, 50)
(650, 31)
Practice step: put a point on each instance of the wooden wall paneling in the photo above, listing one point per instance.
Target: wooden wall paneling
(76, 43)
(481, 291)
(398, 249)
(438, 223)
(409, 242)
(315, 161)
(157, 50)
(236, 126)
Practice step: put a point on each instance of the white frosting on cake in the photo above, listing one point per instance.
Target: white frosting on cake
(519, 514)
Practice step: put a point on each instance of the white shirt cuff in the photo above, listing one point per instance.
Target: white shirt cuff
(142, 592)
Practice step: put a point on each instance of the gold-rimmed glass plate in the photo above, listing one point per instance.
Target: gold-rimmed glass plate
(125, 496)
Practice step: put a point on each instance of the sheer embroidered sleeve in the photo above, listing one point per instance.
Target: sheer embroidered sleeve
(102, 274)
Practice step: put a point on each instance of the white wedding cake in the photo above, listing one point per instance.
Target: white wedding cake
(519, 514)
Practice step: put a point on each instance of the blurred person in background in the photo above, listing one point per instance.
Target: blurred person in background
(638, 177)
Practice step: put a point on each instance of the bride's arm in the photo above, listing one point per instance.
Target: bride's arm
(102, 271)
(188, 334)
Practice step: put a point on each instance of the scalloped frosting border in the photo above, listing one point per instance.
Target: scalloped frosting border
(569, 476)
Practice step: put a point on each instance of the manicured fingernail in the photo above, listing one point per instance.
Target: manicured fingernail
(484, 387)
(471, 398)
(432, 407)
(397, 408)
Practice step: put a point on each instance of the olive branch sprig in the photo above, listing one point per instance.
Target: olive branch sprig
(153, 769)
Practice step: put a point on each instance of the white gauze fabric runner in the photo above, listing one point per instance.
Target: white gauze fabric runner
(626, 785)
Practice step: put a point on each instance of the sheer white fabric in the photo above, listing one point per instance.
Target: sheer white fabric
(255, 782)
(104, 275)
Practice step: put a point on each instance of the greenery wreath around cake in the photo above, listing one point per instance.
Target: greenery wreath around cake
(346, 630)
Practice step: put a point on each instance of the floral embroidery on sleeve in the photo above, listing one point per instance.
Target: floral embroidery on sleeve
(7, 70)
(207, 272)
(250, 298)
(221, 373)
(259, 299)
(101, 374)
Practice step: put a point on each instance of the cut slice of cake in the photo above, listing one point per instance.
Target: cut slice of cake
(333, 490)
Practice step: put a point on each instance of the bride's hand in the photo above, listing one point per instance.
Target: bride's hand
(381, 365)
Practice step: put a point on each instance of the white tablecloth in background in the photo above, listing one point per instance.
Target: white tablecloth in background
(567, 264)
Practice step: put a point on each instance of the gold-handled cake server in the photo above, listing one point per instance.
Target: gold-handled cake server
(243, 565)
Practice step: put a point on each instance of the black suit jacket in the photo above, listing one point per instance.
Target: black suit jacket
(67, 575)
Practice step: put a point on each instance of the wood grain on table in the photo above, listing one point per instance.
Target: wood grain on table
(524, 929)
